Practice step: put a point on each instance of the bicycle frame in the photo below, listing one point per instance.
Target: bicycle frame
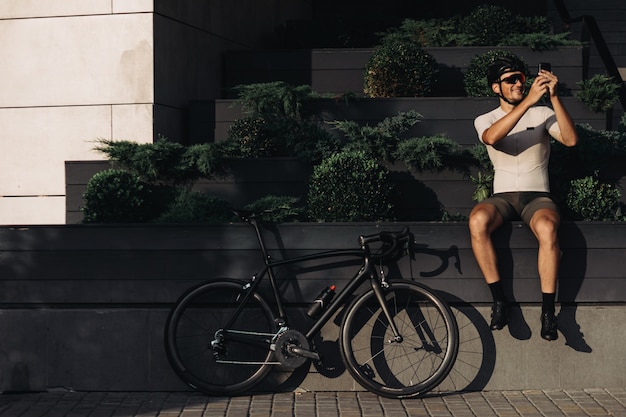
(366, 271)
(224, 323)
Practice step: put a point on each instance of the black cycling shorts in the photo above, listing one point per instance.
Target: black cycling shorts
(521, 205)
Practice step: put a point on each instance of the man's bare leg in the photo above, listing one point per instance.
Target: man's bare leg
(545, 224)
(484, 220)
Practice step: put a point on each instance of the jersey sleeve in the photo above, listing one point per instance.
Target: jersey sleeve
(482, 123)
(552, 127)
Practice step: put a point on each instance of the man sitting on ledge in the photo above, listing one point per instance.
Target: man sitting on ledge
(517, 136)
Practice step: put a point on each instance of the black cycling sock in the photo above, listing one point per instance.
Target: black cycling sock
(497, 291)
(547, 303)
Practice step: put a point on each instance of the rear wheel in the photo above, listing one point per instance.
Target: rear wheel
(212, 360)
(408, 366)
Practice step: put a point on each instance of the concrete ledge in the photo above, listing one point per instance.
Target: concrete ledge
(116, 349)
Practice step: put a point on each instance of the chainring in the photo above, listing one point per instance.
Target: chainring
(283, 345)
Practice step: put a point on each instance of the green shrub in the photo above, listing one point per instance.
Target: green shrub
(532, 24)
(152, 162)
(379, 141)
(256, 137)
(349, 186)
(277, 209)
(540, 41)
(207, 159)
(194, 207)
(480, 157)
(274, 99)
(279, 137)
(428, 33)
(429, 153)
(400, 69)
(484, 186)
(165, 162)
(489, 25)
(483, 26)
(599, 93)
(475, 78)
(116, 196)
(277, 121)
(596, 153)
(621, 128)
(590, 199)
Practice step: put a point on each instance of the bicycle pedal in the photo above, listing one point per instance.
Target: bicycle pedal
(305, 353)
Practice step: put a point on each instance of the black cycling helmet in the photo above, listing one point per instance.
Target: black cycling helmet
(503, 65)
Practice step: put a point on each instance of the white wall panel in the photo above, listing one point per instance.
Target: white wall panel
(20, 9)
(84, 60)
(32, 210)
(32, 159)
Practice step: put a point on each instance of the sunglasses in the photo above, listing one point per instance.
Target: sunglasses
(513, 79)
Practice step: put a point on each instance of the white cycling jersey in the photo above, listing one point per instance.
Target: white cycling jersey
(520, 160)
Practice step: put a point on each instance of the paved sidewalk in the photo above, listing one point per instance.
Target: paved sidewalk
(536, 403)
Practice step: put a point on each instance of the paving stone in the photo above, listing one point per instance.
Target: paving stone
(527, 403)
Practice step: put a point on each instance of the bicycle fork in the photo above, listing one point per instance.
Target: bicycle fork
(377, 287)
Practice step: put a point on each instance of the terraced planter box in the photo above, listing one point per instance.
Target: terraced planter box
(340, 70)
(452, 116)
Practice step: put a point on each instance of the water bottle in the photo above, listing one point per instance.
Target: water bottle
(321, 302)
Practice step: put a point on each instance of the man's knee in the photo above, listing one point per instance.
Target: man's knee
(483, 219)
(545, 224)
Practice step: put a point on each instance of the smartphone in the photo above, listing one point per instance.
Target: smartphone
(544, 66)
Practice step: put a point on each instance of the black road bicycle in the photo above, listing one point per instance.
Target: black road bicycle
(398, 338)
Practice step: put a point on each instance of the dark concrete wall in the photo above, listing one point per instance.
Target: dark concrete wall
(83, 307)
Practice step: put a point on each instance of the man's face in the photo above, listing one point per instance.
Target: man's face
(511, 86)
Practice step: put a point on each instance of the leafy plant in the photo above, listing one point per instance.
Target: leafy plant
(621, 128)
(152, 162)
(189, 206)
(277, 209)
(540, 41)
(116, 196)
(166, 162)
(428, 33)
(484, 186)
(475, 78)
(532, 24)
(256, 137)
(274, 99)
(599, 154)
(590, 199)
(480, 157)
(599, 93)
(429, 153)
(485, 25)
(489, 25)
(400, 69)
(277, 122)
(379, 141)
(349, 186)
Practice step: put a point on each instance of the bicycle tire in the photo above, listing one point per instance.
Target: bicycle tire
(413, 366)
(192, 325)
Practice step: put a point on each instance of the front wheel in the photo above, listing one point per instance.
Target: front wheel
(413, 363)
(205, 355)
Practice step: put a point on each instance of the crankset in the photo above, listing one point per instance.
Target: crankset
(292, 349)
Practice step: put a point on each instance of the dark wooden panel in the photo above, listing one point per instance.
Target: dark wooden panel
(451, 116)
(341, 70)
(80, 172)
(150, 265)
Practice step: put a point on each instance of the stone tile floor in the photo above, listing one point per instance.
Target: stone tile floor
(535, 403)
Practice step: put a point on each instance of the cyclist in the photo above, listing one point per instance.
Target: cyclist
(517, 135)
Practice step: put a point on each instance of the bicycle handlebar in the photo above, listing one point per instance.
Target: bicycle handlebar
(393, 243)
